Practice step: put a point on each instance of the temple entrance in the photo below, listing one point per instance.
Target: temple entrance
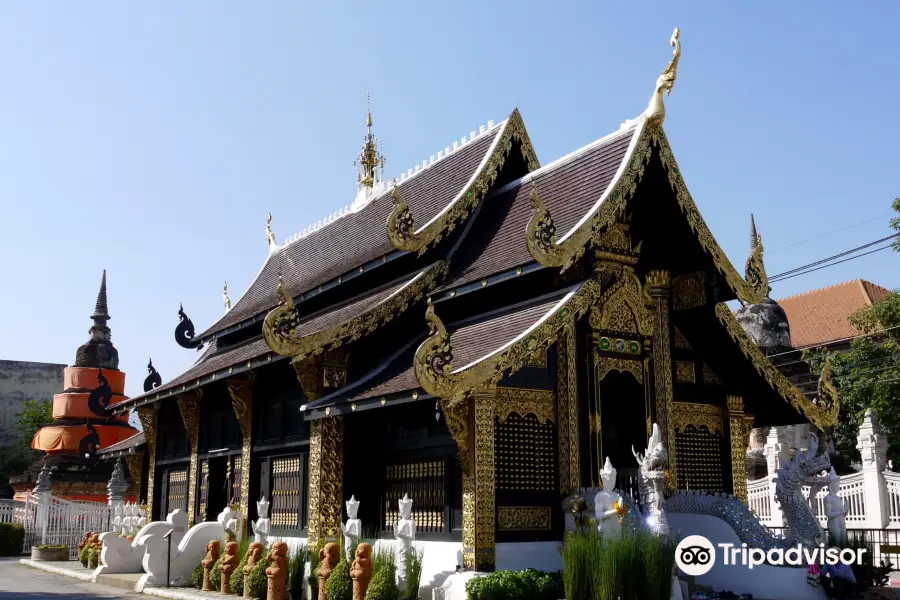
(623, 425)
(217, 492)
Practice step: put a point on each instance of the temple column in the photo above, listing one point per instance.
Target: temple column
(326, 446)
(241, 391)
(567, 409)
(658, 282)
(148, 416)
(189, 406)
(134, 463)
(479, 533)
(739, 426)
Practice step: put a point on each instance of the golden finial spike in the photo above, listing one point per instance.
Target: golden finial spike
(269, 235)
(656, 111)
(225, 297)
(368, 111)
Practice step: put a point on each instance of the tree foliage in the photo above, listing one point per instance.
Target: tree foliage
(18, 455)
(868, 374)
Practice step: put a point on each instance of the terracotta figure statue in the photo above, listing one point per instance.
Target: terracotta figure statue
(276, 573)
(254, 555)
(212, 555)
(227, 566)
(361, 571)
(328, 560)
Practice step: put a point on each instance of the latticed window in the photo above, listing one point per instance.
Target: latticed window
(525, 454)
(425, 483)
(203, 480)
(234, 476)
(287, 492)
(176, 490)
(699, 459)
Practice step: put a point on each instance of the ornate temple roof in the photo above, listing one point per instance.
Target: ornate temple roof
(125, 446)
(359, 239)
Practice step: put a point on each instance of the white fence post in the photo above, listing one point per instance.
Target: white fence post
(872, 445)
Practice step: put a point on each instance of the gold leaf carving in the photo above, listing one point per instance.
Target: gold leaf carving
(623, 307)
(539, 403)
(689, 290)
(708, 415)
(685, 372)
(523, 518)
(606, 364)
(400, 228)
(282, 321)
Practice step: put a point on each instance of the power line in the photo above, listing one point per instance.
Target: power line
(848, 339)
(826, 234)
(831, 258)
(835, 263)
(859, 364)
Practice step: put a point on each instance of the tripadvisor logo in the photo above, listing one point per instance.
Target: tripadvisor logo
(695, 555)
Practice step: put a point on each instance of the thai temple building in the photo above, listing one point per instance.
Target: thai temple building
(481, 333)
(82, 422)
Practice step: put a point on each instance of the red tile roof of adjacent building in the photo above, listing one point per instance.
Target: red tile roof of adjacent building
(822, 316)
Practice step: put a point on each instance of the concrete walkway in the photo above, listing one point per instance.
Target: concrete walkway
(18, 582)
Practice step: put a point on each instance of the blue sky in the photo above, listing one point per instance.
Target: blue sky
(150, 139)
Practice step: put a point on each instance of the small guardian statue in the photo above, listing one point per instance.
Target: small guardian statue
(261, 525)
(836, 510)
(609, 508)
(361, 571)
(352, 529)
(212, 555)
(254, 555)
(328, 560)
(227, 566)
(405, 532)
(652, 482)
(141, 518)
(117, 523)
(276, 572)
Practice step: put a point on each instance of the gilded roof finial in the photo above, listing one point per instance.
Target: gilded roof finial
(270, 236)
(754, 237)
(656, 111)
(369, 158)
(225, 297)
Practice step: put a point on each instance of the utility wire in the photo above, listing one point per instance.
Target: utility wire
(855, 337)
(826, 234)
(835, 263)
(831, 258)
(854, 364)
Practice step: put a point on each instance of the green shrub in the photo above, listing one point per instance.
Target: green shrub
(215, 576)
(339, 586)
(52, 547)
(313, 580)
(197, 577)
(92, 557)
(414, 572)
(83, 556)
(12, 537)
(384, 581)
(516, 585)
(258, 582)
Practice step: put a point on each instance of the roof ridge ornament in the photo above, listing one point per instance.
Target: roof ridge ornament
(225, 297)
(184, 331)
(270, 236)
(656, 110)
(153, 379)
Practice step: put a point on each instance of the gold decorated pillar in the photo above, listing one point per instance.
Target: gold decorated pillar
(659, 282)
(326, 445)
(479, 547)
(241, 391)
(134, 463)
(148, 415)
(189, 406)
(567, 405)
(739, 425)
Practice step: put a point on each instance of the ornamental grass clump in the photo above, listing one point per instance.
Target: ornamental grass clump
(384, 576)
(413, 572)
(339, 585)
(295, 570)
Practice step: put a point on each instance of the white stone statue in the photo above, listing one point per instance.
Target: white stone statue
(127, 527)
(405, 532)
(835, 510)
(608, 505)
(231, 521)
(117, 525)
(352, 529)
(142, 517)
(652, 481)
(261, 525)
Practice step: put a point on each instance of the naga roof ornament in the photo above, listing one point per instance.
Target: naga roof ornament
(184, 331)
(270, 236)
(153, 379)
(401, 229)
(656, 110)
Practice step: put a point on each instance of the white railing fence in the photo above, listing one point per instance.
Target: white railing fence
(51, 520)
(12, 511)
(759, 499)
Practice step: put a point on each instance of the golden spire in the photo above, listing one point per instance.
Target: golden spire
(225, 297)
(369, 159)
(656, 110)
